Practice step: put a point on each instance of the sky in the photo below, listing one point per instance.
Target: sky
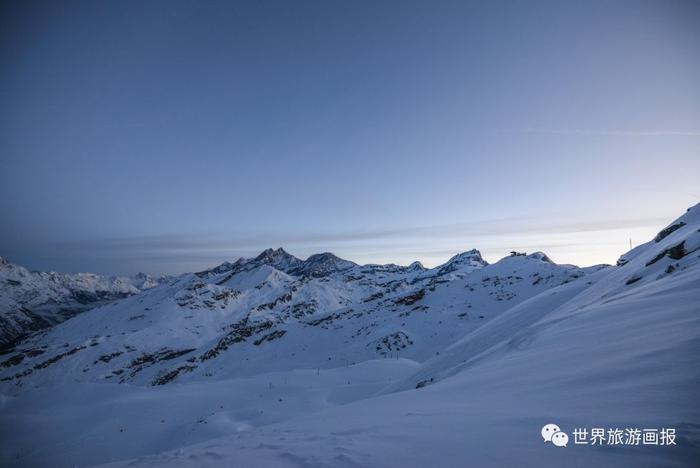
(169, 136)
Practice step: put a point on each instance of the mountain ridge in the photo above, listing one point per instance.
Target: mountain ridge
(246, 351)
(33, 300)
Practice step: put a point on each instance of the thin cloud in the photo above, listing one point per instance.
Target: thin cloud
(477, 228)
(621, 133)
(380, 241)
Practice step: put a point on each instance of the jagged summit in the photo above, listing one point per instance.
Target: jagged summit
(224, 267)
(278, 258)
(463, 262)
(316, 265)
(272, 254)
(322, 264)
(416, 266)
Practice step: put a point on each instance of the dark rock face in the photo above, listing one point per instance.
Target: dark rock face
(270, 337)
(166, 377)
(277, 258)
(316, 266)
(423, 383)
(667, 231)
(632, 280)
(392, 342)
(676, 253)
(411, 298)
(10, 333)
(320, 265)
(416, 266)
(471, 258)
(238, 333)
(43, 364)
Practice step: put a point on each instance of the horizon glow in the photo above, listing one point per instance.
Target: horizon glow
(169, 137)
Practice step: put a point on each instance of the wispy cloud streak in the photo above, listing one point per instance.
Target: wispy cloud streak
(613, 132)
(379, 244)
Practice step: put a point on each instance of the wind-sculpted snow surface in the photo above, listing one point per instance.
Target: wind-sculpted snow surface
(277, 361)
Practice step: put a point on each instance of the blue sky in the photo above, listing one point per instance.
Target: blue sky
(168, 136)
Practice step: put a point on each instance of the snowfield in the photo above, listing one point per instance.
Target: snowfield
(31, 300)
(280, 362)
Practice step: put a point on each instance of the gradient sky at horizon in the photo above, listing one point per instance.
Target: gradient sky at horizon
(168, 136)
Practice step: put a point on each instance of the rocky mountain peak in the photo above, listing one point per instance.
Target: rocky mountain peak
(272, 253)
(416, 266)
(322, 264)
(465, 261)
(277, 258)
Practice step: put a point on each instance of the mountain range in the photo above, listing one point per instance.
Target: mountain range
(278, 361)
(32, 300)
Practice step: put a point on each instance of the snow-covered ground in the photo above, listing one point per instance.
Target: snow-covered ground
(276, 361)
(32, 300)
(97, 422)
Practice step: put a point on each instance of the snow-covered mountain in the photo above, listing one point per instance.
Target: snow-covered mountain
(323, 362)
(462, 263)
(31, 300)
(277, 312)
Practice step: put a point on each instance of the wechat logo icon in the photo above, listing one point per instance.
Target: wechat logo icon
(553, 433)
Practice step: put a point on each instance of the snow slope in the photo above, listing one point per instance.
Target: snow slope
(249, 317)
(612, 351)
(31, 300)
(277, 361)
